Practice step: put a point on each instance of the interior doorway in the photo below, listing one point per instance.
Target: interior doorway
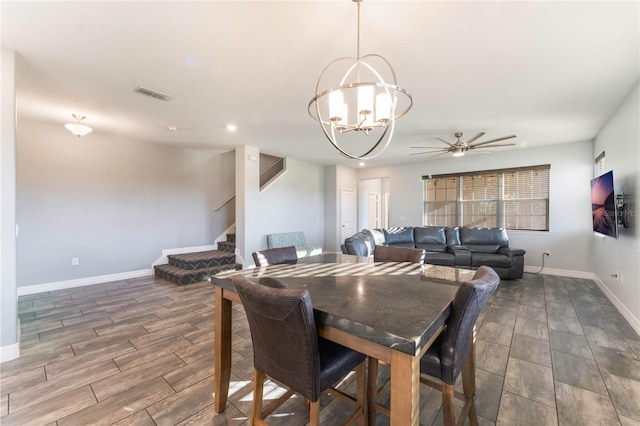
(373, 203)
(347, 213)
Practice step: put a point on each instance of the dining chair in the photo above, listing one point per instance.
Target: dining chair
(275, 256)
(287, 349)
(398, 254)
(452, 353)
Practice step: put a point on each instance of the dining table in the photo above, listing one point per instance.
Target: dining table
(390, 311)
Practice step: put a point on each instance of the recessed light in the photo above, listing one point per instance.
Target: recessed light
(172, 128)
(232, 127)
(361, 164)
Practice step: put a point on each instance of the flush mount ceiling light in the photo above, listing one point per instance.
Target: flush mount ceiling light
(78, 128)
(359, 102)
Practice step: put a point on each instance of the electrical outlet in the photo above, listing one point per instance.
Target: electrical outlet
(547, 253)
(75, 261)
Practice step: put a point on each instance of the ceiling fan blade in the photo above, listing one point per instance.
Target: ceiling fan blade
(442, 140)
(491, 146)
(430, 147)
(495, 140)
(437, 155)
(433, 156)
(479, 135)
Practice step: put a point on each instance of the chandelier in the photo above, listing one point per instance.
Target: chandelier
(78, 128)
(362, 103)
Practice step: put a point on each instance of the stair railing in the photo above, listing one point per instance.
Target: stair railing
(262, 185)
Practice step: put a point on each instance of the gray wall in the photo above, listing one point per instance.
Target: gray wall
(620, 139)
(569, 237)
(294, 202)
(113, 202)
(8, 293)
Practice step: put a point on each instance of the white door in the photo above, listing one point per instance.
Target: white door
(374, 211)
(385, 210)
(347, 213)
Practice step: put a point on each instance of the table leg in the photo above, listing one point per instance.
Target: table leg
(405, 389)
(222, 373)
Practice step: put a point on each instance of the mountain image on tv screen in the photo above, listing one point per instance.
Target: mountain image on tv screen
(603, 205)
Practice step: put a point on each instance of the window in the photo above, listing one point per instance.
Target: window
(511, 198)
(599, 165)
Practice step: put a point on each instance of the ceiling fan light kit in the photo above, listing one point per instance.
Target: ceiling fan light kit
(459, 148)
(362, 102)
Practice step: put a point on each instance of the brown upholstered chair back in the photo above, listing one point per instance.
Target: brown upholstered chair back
(285, 340)
(398, 254)
(275, 256)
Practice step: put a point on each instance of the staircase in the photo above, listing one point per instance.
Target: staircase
(188, 268)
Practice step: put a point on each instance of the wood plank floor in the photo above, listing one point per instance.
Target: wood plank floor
(551, 350)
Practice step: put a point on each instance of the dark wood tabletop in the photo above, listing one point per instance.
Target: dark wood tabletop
(397, 305)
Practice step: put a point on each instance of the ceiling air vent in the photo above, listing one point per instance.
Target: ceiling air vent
(153, 93)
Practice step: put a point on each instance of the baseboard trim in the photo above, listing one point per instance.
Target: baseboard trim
(559, 272)
(633, 321)
(9, 352)
(61, 285)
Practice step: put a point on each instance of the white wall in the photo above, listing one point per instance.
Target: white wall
(248, 207)
(9, 348)
(569, 236)
(115, 203)
(294, 202)
(620, 140)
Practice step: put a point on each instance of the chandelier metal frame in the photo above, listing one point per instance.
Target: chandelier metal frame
(334, 124)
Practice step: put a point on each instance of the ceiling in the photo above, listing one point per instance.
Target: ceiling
(549, 72)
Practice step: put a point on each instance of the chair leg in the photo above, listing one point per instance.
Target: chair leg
(448, 410)
(372, 391)
(469, 382)
(314, 413)
(361, 393)
(258, 388)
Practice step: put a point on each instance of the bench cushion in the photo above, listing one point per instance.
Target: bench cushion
(286, 239)
(296, 239)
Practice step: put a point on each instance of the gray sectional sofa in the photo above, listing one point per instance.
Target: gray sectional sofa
(448, 246)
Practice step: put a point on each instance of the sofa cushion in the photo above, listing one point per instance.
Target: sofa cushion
(378, 236)
(444, 259)
(484, 236)
(398, 236)
(488, 259)
(482, 248)
(359, 245)
(453, 236)
(429, 235)
(434, 248)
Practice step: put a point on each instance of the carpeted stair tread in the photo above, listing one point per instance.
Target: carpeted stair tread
(227, 246)
(201, 259)
(183, 276)
(199, 255)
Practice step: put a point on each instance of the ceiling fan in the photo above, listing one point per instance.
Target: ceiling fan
(458, 148)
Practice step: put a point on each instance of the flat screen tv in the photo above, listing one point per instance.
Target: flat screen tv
(603, 205)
